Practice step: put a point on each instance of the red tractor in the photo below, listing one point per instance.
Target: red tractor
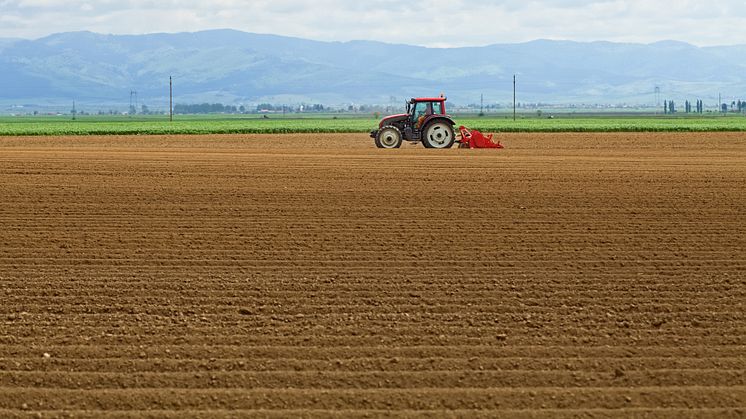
(426, 121)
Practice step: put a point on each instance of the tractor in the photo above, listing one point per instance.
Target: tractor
(426, 121)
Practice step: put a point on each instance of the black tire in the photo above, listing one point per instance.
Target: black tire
(438, 134)
(389, 137)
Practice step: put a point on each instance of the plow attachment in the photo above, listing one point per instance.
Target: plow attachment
(475, 139)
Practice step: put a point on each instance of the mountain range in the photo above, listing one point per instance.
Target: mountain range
(234, 67)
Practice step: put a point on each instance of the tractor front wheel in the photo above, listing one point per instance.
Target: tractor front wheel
(438, 135)
(389, 137)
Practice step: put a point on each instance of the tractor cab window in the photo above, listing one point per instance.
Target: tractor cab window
(424, 109)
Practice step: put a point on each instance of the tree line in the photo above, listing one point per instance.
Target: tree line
(200, 108)
(669, 107)
(207, 108)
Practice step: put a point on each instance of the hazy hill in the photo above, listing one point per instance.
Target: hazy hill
(232, 66)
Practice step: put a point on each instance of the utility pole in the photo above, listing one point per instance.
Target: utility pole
(133, 106)
(481, 105)
(513, 97)
(170, 99)
(720, 103)
(74, 111)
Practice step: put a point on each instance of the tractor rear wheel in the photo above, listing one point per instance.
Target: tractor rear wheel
(438, 135)
(389, 137)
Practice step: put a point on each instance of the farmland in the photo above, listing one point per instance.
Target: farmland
(277, 124)
(571, 274)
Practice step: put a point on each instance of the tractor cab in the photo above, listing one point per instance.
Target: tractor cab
(418, 108)
(426, 121)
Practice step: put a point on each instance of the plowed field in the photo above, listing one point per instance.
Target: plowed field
(313, 275)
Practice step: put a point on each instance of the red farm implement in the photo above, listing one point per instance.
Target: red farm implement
(475, 139)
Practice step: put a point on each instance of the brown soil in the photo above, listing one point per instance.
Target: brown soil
(313, 275)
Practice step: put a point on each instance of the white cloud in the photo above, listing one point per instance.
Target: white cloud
(431, 23)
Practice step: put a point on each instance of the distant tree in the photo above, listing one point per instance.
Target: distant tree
(671, 107)
(665, 107)
(724, 108)
(204, 108)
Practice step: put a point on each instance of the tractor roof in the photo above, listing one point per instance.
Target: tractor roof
(429, 99)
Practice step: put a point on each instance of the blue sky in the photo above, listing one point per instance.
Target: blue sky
(437, 23)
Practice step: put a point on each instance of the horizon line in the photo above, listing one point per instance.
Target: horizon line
(558, 40)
